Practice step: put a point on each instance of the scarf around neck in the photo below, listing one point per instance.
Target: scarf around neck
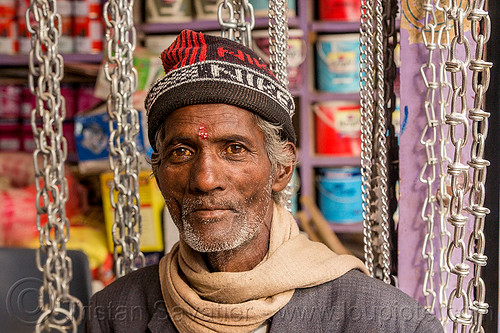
(199, 300)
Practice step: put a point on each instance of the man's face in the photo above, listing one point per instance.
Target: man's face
(215, 176)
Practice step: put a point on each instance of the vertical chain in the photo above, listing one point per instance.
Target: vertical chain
(278, 39)
(428, 139)
(457, 170)
(124, 127)
(390, 41)
(381, 143)
(481, 31)
(236, 27)
(366, 102)
(59, 310)
(443, 41)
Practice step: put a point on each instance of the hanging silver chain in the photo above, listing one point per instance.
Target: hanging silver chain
(443, 198)
(236, 26)
(278, 39)
(428, 139)
(366, 101)
(481, 31)
(124, 127)
(59, 310)
(458, 171)
(380, 139)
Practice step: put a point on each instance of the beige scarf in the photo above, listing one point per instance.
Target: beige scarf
(202, 301)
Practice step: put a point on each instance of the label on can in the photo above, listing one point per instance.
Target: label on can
(91, 9)
(7, 8)
(88, 35)
(8, 36)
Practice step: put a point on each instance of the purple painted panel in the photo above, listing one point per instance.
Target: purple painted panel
(412, 156)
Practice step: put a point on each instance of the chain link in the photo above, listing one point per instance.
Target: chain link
(476, 290)
(428, 139)
(443, 197)
(59, 310)
(457, 171)
(366, 102)
(278, 39)
(236, 27)
(124, 127)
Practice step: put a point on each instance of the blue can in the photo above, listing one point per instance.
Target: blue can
(337, 63)
(339, 195)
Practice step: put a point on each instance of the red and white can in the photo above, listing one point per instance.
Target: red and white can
(88, 34)
(88, 8)
(66, 41)
(7, 8)
(10, 101)
(8, 36)
(22, 6)
(10, 138)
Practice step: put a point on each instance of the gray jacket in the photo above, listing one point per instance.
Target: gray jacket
(353, 302)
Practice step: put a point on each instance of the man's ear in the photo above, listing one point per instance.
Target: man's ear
(284, 174)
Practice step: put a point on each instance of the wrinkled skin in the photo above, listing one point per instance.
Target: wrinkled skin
(217, 183)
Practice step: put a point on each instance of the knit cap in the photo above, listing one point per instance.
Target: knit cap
(204, 69)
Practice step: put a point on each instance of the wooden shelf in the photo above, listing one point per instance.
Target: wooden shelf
(23, 59)
(347, 228)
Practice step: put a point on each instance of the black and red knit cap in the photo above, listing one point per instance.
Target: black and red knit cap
(204, 69)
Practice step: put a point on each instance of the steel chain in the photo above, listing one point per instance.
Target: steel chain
(366, 102)
(458, 172)
(380, 139)
(476, 290)
(124, 127)
(390, 41)
(235, 25)
(278, 39)
(443, 198)
(59, 310)
(428, 139)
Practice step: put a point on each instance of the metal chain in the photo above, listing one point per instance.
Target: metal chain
(428, 139)
(481, 31)
(366, 102)
(278, 39)
(124, 127)
(380, 139)
(443, 198)
(236, 27)
(390, 41)
(59, 310)
(458, 172)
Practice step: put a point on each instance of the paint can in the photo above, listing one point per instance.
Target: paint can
(8, 35)
(28, 103)
(339, 194)
(88, 35)
(167, 11)
(337, 63)
(296, 52)
(339, 10)
(10, 101)
(10, 139)
(206, 9)
(66, 41)
(157, 44)
(338, 128)
(7, 8)
(261, 8)
(89, 8)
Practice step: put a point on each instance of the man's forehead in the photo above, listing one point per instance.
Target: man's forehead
(212, 119)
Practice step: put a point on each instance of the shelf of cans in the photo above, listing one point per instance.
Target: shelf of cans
(82, 27)
(17, 103)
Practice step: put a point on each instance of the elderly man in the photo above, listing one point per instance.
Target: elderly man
(220, 126)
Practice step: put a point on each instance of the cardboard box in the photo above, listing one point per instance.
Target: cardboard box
(151, 209)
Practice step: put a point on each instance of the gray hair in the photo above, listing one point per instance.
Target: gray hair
(278, 152)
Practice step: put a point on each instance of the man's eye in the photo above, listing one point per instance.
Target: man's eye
(181, 152)
(235, 149)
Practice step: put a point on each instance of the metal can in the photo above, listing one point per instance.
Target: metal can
(88, 8)
(88, 34)
(7, 8)
(66, 41)
(8, 36)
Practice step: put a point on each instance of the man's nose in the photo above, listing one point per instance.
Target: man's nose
(207, 174)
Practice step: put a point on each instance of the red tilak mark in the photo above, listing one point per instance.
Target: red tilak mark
(202, 132)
